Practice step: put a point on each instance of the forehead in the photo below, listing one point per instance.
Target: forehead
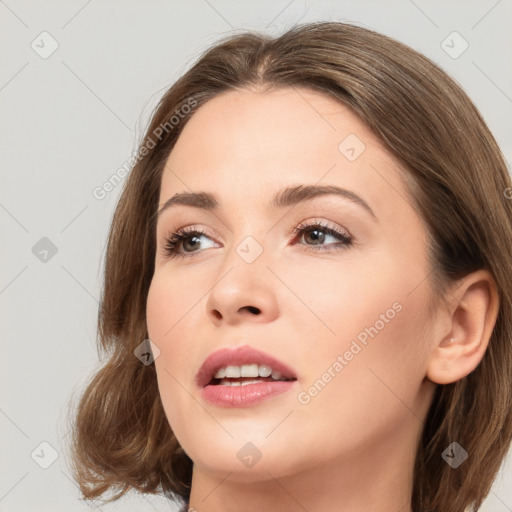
(281, 122)
(249, 144)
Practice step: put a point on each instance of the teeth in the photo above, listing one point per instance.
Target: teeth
(220, 374)
(233, 372)
(265, 371)
(276, 375)
(227, 382)
(247, 370)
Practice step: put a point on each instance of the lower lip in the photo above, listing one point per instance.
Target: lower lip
(244, 396)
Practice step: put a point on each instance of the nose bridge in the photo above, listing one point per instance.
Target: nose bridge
(245, 262)
(244, 284)
(248, 236)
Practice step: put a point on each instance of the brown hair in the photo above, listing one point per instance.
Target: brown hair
(457, 179)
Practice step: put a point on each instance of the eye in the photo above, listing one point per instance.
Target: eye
(189, 238)
(318, 232)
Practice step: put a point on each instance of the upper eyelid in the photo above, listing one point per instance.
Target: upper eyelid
(171, 244)
(190, 229)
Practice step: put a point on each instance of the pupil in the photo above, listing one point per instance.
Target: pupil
(194, 238)
(316, 237)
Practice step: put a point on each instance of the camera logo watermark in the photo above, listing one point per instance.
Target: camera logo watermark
(249, 249)
(44, 45)
(454, 45)
(351, 147)
(249, 455)
(44, 250)
(44, 455)
(147, 352)
(454, 455)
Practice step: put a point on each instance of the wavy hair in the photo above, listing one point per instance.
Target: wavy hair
(458, 181)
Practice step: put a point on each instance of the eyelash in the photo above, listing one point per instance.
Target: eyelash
(171, 242)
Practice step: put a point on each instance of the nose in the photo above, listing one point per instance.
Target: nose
(243, 292)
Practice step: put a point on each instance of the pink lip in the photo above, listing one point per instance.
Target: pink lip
(244, 396)
(239, 396)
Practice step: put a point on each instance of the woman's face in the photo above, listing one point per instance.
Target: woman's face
(345, 313)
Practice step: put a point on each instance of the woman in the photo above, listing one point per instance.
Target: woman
(307, 298)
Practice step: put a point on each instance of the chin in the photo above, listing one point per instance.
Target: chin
(248, 457)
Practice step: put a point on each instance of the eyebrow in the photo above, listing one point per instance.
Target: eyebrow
(289, 196)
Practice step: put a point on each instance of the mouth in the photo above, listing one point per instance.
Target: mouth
(243, 377)
(247, 374)
(241, 367)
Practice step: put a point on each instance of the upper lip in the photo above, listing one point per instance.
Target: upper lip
(237, 357)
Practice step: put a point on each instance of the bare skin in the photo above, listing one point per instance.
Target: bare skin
(351, 444)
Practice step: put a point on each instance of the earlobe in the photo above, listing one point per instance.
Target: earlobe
(474, 310)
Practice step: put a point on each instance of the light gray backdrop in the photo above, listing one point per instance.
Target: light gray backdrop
(78, 81)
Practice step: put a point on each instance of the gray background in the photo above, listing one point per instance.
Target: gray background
(71, 119)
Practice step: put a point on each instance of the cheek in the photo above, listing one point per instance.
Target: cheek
(370, 393)
(173, 306)
(373, 309)
(172, 309)
(371, 357)
(366, 296)
(163, 305)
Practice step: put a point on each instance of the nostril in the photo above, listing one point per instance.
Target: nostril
(252, 309)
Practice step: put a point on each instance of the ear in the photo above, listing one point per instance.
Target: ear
(473, 306)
